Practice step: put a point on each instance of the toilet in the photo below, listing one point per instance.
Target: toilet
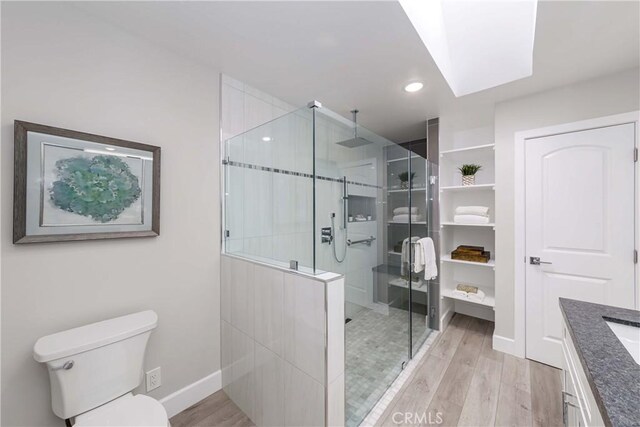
(93, 370)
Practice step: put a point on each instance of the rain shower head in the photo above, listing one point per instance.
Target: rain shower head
(356, 141)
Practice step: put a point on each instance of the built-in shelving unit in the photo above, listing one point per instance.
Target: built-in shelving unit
(392, 287)
(453, 234)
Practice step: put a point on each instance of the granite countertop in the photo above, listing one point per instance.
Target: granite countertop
(613, 375)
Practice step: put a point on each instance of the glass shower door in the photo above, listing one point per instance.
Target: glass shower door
(353, 185)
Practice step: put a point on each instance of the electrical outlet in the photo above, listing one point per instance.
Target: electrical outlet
(154, 380)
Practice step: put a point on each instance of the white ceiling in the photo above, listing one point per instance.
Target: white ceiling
(361, 54)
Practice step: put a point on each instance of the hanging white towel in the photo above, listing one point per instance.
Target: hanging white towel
(472, 210)
(405, 210)
(426, 258)
(407, 254)
(471, 219)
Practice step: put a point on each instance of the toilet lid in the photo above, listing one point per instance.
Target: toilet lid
(128, 410)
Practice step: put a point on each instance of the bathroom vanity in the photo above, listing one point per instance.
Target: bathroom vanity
(601, 377)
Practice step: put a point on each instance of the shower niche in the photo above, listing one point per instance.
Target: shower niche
(361, 208)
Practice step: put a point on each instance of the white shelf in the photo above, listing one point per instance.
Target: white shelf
(405, 285)
(394, 253)
(488, 301)
(468, 187)
(406, 223)
(404, 190)
(404, 159)
(447, 258)
(467, 150)
(450, 223)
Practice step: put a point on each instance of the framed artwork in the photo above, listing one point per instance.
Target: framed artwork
(72, 185)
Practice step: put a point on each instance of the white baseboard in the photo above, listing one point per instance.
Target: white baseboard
(445, 319)
(192, 394)
(506, 345)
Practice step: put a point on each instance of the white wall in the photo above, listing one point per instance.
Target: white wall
(63, 68)
(604, 96)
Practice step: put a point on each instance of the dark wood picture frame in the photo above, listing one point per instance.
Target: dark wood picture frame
(21, 129)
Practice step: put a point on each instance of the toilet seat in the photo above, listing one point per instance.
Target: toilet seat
(128, 410)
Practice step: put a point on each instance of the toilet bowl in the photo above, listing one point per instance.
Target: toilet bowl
(128, 410)
(93, 370)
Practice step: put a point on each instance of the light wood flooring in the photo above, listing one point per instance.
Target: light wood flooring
(461, 381)
(215, 410)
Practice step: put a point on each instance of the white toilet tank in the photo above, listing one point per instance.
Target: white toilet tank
(94, 364)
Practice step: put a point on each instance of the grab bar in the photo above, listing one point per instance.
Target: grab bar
(365, 241)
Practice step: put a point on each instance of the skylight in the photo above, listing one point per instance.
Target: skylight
(477, 45)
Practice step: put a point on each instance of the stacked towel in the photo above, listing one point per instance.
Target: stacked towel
(405, 211)
(471, 219)
(471, 215)
(406, 217)
(472, 210)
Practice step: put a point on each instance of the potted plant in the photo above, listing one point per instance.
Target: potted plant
(405, 178)
(468, 172)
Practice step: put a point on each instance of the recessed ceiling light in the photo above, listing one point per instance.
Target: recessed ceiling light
(109, 148)
(266, 138)
(413, 87)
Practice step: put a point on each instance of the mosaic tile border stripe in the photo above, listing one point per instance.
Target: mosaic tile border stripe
(288, 172)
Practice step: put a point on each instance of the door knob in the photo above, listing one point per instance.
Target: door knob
(534, 260)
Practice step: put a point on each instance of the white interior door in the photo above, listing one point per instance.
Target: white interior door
(580, 223)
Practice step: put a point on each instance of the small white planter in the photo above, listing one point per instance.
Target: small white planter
(468, 179)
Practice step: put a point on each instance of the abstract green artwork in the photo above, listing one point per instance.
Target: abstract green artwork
(72, 186)
(100, 188)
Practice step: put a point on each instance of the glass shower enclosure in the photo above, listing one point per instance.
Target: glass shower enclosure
(314, 191)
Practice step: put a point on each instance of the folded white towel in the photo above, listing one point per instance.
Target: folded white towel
(479, 296)
(405, 210)
(405, 218)
(472, 210)
(471, 219)
(462, 294)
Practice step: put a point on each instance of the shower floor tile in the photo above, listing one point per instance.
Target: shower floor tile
(377, 344)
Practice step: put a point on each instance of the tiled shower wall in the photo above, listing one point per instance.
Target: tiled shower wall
(282, 344)
(267, 215)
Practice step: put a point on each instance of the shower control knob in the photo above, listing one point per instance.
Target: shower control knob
(326, 236)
